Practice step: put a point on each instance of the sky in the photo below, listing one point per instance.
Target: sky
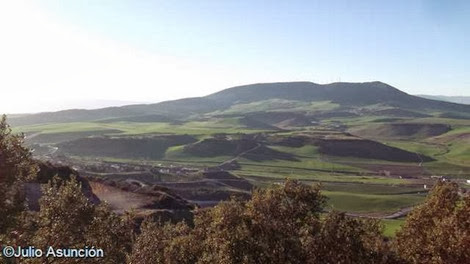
(79, 54)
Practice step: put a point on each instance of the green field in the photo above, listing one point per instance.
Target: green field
(277, 105)
(353, 183)
(366, 203)
(135, 128)
(392, 226)
(353, 190)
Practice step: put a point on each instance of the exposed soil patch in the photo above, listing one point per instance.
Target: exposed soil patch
(118, 199)
(158, 205)
(127, 194)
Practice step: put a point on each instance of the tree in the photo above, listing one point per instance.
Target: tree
(344, 239)
(110, 232)
(164, 243)
(64, 215)
(16, 167)
(67, 219)
(437, 231)
(225, 235)
(281, 224)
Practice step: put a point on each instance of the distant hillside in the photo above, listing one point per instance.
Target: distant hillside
(171, 109)
(452, 99)
(343, 95)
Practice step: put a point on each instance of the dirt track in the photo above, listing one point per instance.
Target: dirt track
(258, 145)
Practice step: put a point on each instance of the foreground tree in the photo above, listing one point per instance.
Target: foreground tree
(343, 239)
(281, 224)
(67, 219)
(165, 243)
(16, 167)
(437, 231)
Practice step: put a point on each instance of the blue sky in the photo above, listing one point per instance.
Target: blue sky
(158, 50)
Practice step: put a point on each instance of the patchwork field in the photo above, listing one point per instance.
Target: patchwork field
(358, 178)
(372, 157)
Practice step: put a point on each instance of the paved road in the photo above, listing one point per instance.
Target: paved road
(401, 213)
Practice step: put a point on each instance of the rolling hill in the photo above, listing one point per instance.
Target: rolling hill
(362, 140)
(338, 98)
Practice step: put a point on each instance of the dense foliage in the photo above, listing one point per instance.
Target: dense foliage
(438, 231)
(281, 224)
(16, 166)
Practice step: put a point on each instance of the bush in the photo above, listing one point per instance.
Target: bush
(437, 231)
(278, 225)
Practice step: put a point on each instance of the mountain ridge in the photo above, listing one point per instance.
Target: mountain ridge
(344, 94)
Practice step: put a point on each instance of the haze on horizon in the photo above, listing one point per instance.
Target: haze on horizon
(56, 52)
